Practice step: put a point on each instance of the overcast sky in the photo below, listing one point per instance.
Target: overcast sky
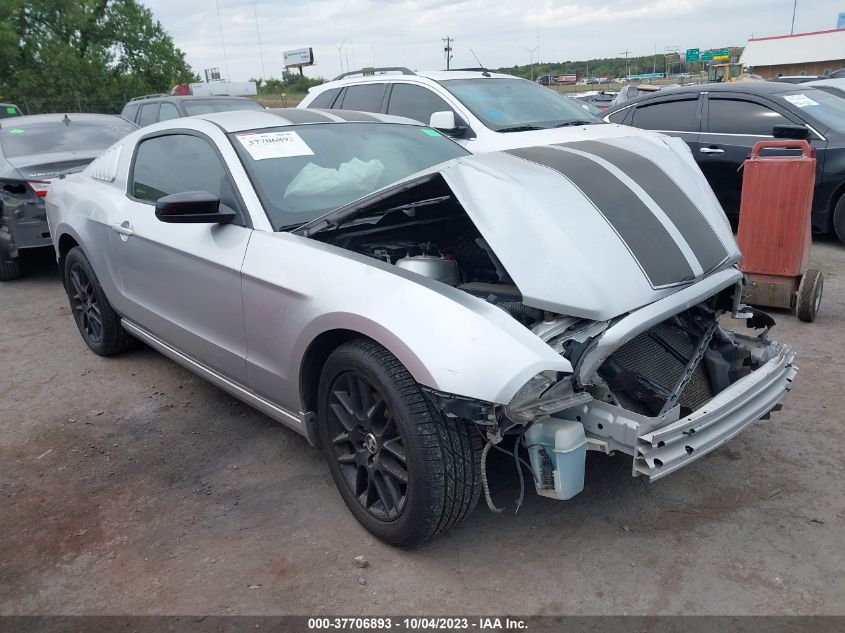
(408, 33)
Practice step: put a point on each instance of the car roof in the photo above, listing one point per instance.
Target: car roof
(434, 75)
(37, 119)
(242, 120)
(164, 97)
(747, 87)
(834, 82)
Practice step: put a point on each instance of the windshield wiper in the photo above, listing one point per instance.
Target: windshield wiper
(576, 122)
(521, 128)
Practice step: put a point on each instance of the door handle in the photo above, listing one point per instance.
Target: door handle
(124, 229)
(711, 150)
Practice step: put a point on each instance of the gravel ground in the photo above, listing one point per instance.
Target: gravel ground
(130, 486)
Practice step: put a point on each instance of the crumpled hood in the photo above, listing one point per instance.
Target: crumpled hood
(596, 228)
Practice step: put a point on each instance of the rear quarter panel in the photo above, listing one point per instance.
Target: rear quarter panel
(82, 208)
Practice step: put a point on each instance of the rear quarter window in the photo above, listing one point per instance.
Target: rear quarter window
(618, 117)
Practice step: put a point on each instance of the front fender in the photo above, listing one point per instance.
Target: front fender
(296, 288)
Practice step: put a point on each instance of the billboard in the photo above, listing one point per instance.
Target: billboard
(299, 57)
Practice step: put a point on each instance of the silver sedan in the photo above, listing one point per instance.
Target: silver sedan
(408, 307)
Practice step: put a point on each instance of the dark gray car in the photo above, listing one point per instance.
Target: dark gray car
(151, 109)
(34, 150)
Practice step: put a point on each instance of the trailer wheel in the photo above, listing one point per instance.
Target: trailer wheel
(809, 295)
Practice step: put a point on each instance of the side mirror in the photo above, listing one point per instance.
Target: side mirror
(791, 131)
(446, 123)
(193, 207)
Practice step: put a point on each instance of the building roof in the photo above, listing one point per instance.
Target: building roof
(801, 48)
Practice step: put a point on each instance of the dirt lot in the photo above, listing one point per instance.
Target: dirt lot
(129, 486)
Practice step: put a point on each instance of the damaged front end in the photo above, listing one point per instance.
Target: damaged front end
(666, 384)
(654, 372)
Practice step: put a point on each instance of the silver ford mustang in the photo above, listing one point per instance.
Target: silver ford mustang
(409, 307)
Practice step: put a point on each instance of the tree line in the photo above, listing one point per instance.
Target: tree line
(89, 55)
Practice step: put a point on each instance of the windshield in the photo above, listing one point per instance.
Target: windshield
(822, 107)
(506, 105)
(30, 138)
(302, 172)
(207, 106)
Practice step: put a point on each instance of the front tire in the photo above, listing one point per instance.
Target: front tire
(97, 321)
(404, 471)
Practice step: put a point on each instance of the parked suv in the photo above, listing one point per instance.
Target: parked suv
(481, 110)
(151, 109)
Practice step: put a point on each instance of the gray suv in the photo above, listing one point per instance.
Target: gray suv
(150, 109)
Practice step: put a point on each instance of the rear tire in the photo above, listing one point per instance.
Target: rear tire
(10, 270)
(809, 297)
(377, 428)
(97, 321)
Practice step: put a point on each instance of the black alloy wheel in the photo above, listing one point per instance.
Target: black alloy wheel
(97, 321)
(404, 470)
(368, 447)
(85, 304)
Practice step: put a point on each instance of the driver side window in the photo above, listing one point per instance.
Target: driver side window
(176, 163)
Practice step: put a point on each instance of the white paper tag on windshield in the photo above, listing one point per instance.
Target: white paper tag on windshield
(800, 101)
(274, 145)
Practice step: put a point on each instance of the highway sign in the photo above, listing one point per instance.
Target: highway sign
(693, 54)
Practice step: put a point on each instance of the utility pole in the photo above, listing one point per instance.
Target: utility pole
(531, 63)
(447, 50)
(222, 40)
(258, 36)
(794, 6)
(625, 53)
